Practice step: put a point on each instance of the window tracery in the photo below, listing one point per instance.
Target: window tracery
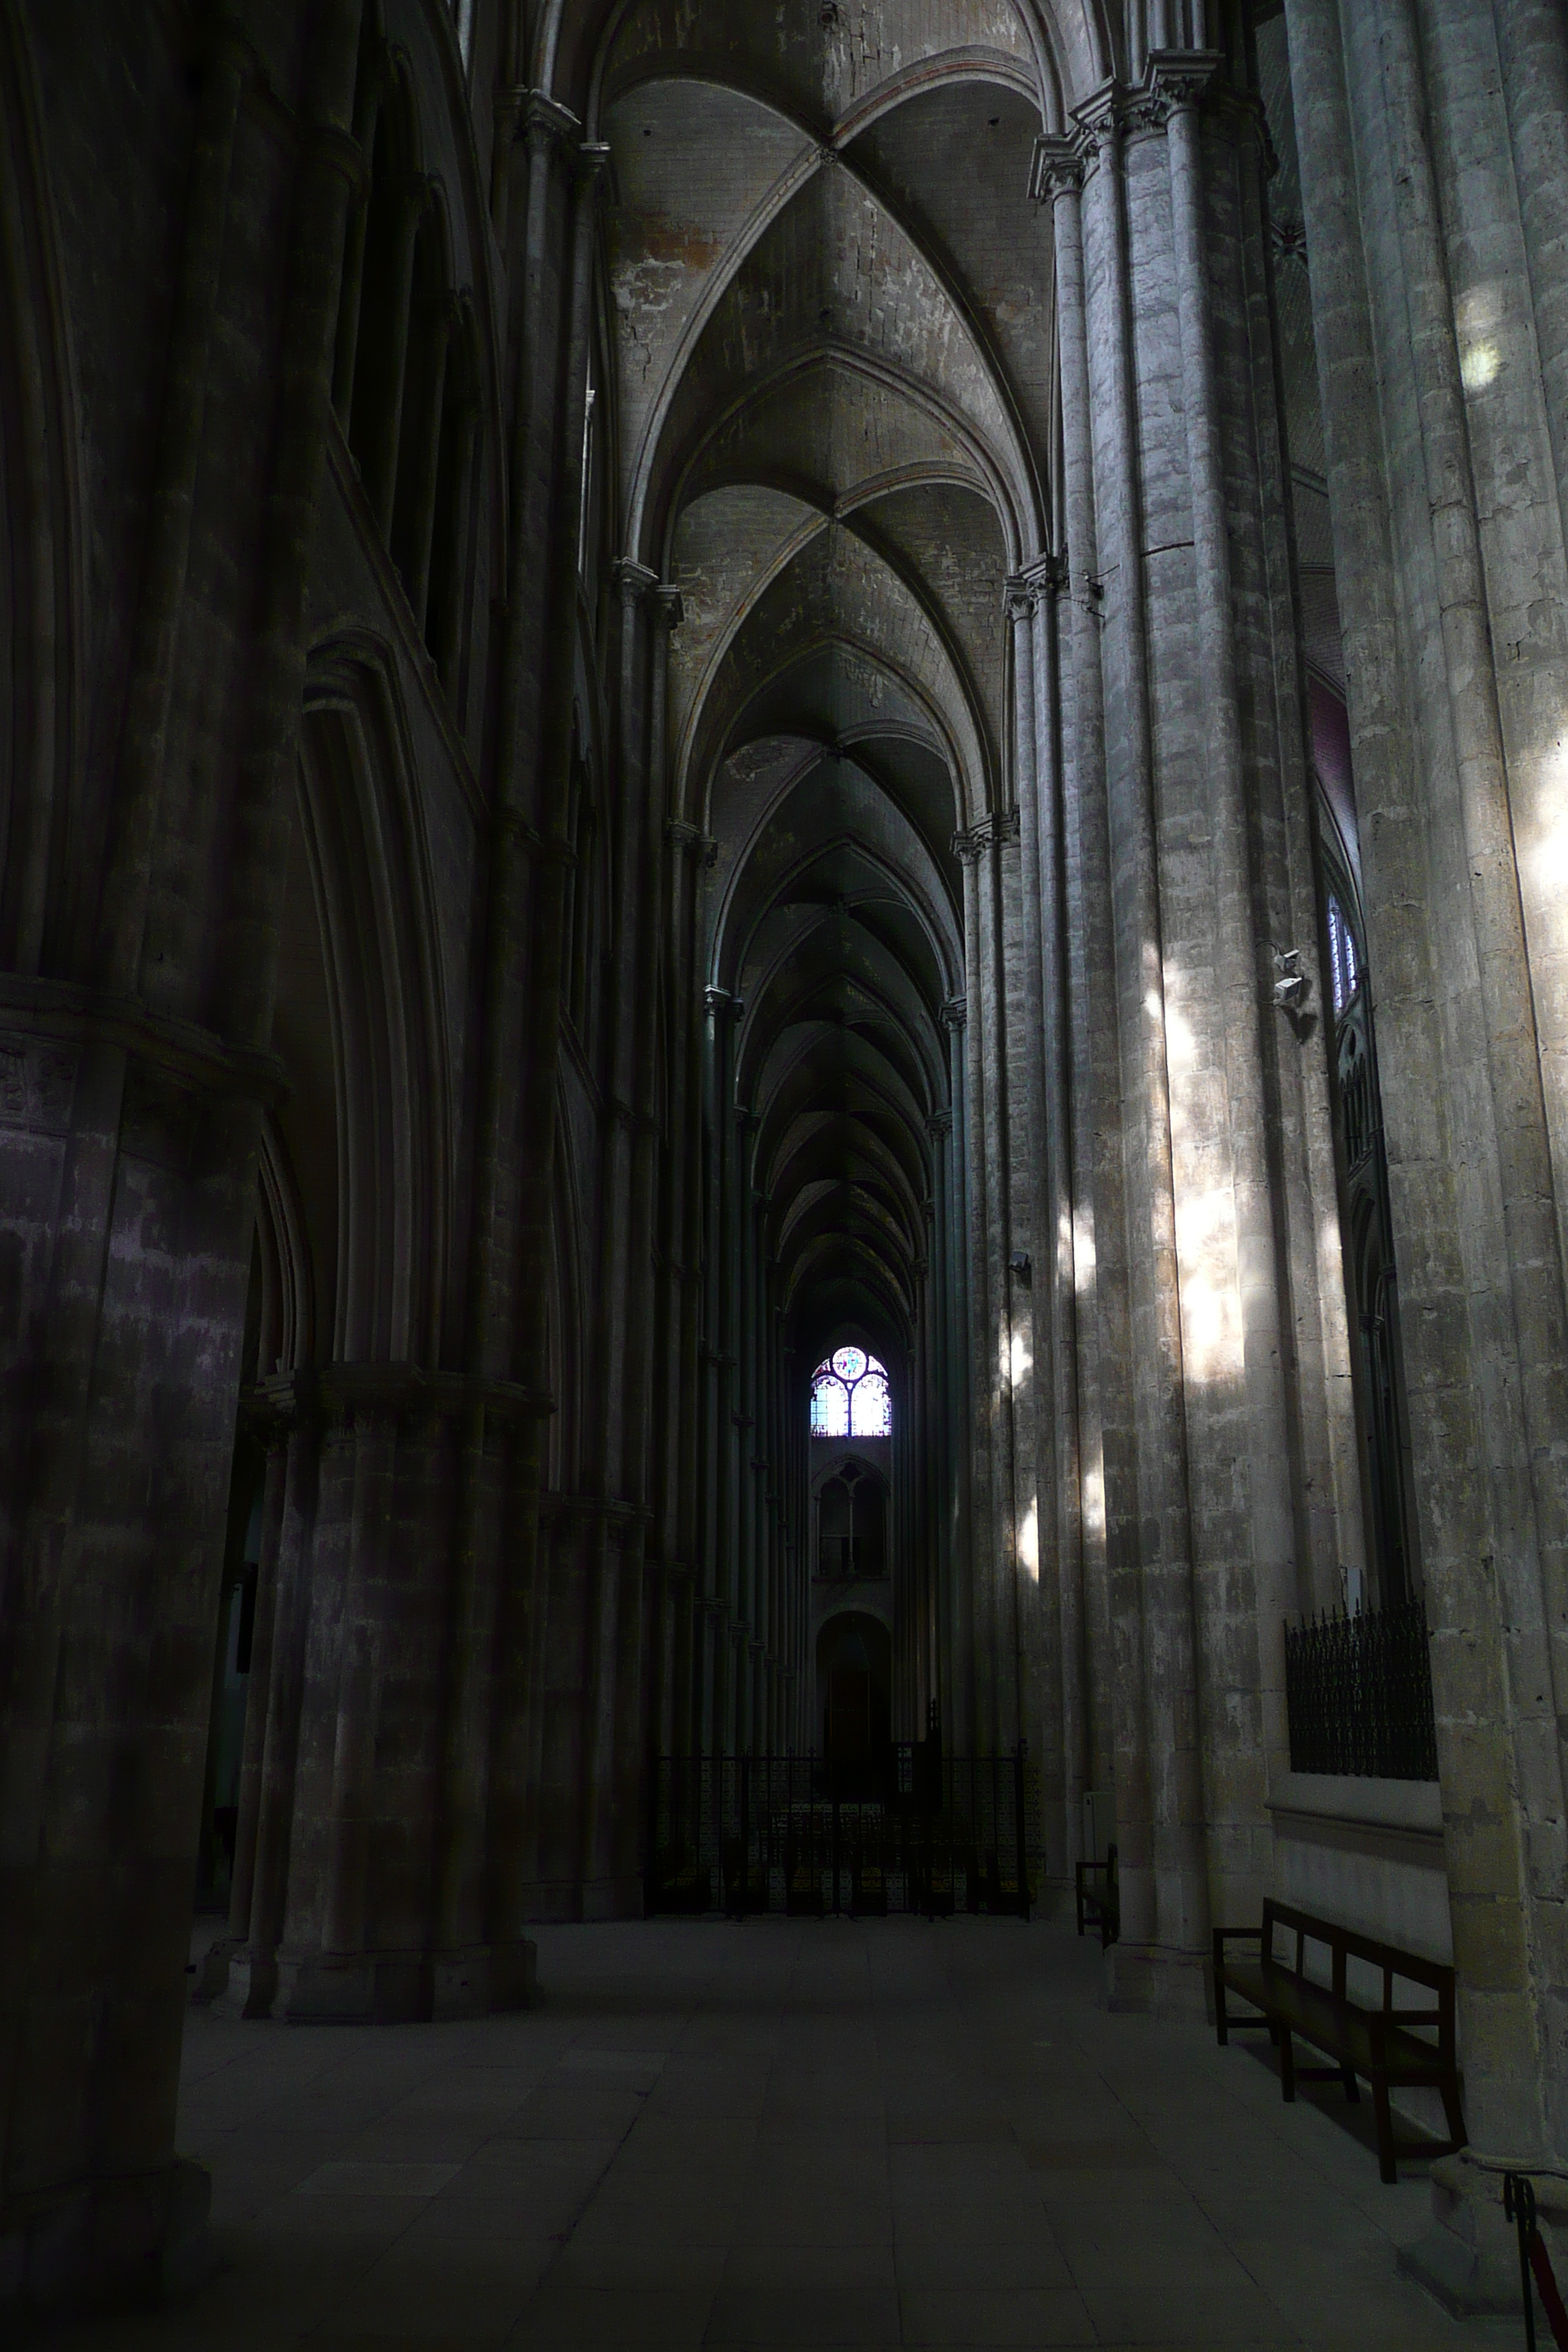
(850, 1396)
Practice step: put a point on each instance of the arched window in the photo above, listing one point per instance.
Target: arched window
(850, 1397)
(1345, 963)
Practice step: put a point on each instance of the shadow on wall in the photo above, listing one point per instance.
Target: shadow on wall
(854, 1682)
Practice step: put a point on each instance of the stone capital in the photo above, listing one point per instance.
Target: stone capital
(1056, 168)
(939, 1123)
(689, 840)
(1100, 120)
(955, 1013)
(720, 1004)
(996, 831)
(671, 611)
(1020, 594)
(1045, 576)
(596, 168)
(545, 125)
(1176, 80)
(634, 580)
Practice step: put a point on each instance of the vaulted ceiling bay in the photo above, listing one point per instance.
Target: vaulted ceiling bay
(833, 386)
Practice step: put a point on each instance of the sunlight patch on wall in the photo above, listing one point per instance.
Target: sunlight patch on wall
(1083, 1253)
(1205, 1260)
(1547, 858)
(1477, 319)
(1030, 1543)
(1205, 1214)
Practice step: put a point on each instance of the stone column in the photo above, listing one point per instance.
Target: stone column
(525, 945)
(1061, 1515)
(1441, 459)
(943, 1418)
(1159, 1781)
(132, 1160)
(1245, 1263)
(959, 1731)
(1098, 1230)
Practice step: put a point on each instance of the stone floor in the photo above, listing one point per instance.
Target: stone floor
(785, 2134)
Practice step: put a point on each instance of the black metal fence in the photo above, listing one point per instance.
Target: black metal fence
(1359, 1694)
(906, 1830)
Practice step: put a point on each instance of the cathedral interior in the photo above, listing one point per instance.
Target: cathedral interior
(783, 1164)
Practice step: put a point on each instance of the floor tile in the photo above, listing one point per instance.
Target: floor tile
(811, 2134)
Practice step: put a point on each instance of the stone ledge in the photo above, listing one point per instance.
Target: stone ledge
(1408, 1805)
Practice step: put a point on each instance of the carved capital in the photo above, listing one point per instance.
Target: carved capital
(955, 1015)
(671, 611)
(634, 580)
(1179, 79)
(1019, 596)
(689, 840)
(720, 1004)
(546, 126)
(1046, 576)
(1099, 121)
(997, 831)
(594, 167)
(939, 1124)
(1056, 168)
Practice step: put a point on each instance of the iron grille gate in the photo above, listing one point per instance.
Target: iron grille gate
(1359, 1694)
(907, 1831)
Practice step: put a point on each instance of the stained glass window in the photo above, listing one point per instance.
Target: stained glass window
(1343, 961)
(870, 1407)
(850, 1396)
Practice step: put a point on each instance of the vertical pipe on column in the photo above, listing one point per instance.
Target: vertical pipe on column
(961, 1368)
(1055, 1247)
(1040, 1699)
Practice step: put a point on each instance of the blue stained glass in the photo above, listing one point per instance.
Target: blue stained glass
(850, 1396)
(829, 1407)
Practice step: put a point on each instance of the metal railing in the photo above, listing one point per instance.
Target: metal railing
(1358, 1690)
(903, 1829)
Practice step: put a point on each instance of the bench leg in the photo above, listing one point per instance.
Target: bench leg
(1454, 2112)
(1385, 2160)
(1352, 2088)
(1221, 2021)
(1287, 2064)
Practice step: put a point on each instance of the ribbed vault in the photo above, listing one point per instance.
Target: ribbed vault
(834, 436)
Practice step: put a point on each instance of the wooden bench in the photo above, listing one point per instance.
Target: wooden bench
(1382, 2046)
(1100, 1897)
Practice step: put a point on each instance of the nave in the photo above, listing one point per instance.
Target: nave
(787, 2133)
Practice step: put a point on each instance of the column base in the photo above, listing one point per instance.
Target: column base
(118, 2245)
(1468, 2259)
(1157, 1981)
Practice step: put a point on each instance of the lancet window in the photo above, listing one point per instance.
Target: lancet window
(850, 1396)
(1344, 962)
